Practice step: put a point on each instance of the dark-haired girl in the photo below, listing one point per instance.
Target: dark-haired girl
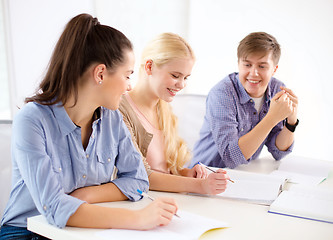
(69, 139)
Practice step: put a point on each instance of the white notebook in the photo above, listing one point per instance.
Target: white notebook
(188, 226)
(303, 170)
(305, 202)
(253, 187)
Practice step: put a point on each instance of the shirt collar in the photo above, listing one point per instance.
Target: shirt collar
(268, 92)
(245, 97)
(66, 125)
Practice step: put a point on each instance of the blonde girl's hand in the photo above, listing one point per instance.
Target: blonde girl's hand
(158, 213)
(198, 171)
(215, 183)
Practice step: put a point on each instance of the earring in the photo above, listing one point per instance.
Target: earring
(100, 82)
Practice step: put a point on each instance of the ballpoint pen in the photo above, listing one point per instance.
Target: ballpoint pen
(212, 170)
(151, 198)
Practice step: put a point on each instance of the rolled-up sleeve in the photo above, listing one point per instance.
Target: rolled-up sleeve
(29, 151)
(131, 174)
(271, 146)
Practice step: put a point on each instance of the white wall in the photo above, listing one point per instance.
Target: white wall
(34, 28)
(214, 29)
(141, 20)
(4, 83)
(305, 33)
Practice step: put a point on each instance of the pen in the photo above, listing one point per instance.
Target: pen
(151, 198)
(212, 170)
(322, 180)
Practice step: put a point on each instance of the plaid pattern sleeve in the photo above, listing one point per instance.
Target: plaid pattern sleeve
(230, 114)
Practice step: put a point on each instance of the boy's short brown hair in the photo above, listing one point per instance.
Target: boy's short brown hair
(259, 42)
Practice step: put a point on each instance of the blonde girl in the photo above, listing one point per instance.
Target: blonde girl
(166, 64)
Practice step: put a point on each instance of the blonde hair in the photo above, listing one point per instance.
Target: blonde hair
(161, 50)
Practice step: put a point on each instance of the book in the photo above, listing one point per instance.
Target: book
(305, 201)
(303, 170)
(253, 187)
(188, 226)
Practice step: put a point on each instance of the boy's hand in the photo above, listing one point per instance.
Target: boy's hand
(292, 118)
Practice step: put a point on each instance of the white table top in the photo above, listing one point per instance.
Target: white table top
(246, 220)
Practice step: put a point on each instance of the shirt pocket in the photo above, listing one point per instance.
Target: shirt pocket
(63, 169)
(106, 162)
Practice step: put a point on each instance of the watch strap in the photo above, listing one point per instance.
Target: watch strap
(291, 128)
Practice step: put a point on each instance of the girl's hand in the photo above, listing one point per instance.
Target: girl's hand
(215, 183)
(158, 213)
(198, 171)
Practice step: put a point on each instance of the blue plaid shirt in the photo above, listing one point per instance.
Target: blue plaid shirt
(230, 114)
(49, 162)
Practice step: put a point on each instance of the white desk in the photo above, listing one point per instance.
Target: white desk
(247, 221)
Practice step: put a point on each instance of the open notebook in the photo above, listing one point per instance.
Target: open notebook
(253, 187)
(305, 202)
(303, 170)
(188, 226)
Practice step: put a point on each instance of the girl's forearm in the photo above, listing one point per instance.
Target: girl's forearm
(174, 183)
(108, 192)
(93, 216)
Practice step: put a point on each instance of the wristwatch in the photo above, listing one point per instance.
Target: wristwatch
(291, 128)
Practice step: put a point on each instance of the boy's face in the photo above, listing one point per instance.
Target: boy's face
(255, 72)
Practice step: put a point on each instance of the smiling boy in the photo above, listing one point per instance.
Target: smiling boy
(249, 109)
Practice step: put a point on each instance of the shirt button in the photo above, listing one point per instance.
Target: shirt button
(254, 113)
(242, 129)
(60, 169)
(109, 159)
(44, 207)
(87, 156)
(84, 176)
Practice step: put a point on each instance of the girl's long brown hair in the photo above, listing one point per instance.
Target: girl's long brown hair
(83, 42)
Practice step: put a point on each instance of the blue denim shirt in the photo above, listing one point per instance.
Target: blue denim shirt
(49, 162)
(230, 114)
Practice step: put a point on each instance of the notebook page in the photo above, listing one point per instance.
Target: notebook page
(253, 191)
(253, 187)
(311, 205)
(188, 226)
(297, 177)
(313, 191)
(303, 170)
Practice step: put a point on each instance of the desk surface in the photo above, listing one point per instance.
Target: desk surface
(246, 220)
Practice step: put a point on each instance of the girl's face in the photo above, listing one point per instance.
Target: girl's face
(167, 80)
(116, 83)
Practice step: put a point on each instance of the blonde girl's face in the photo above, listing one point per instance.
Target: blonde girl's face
(167, 80)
